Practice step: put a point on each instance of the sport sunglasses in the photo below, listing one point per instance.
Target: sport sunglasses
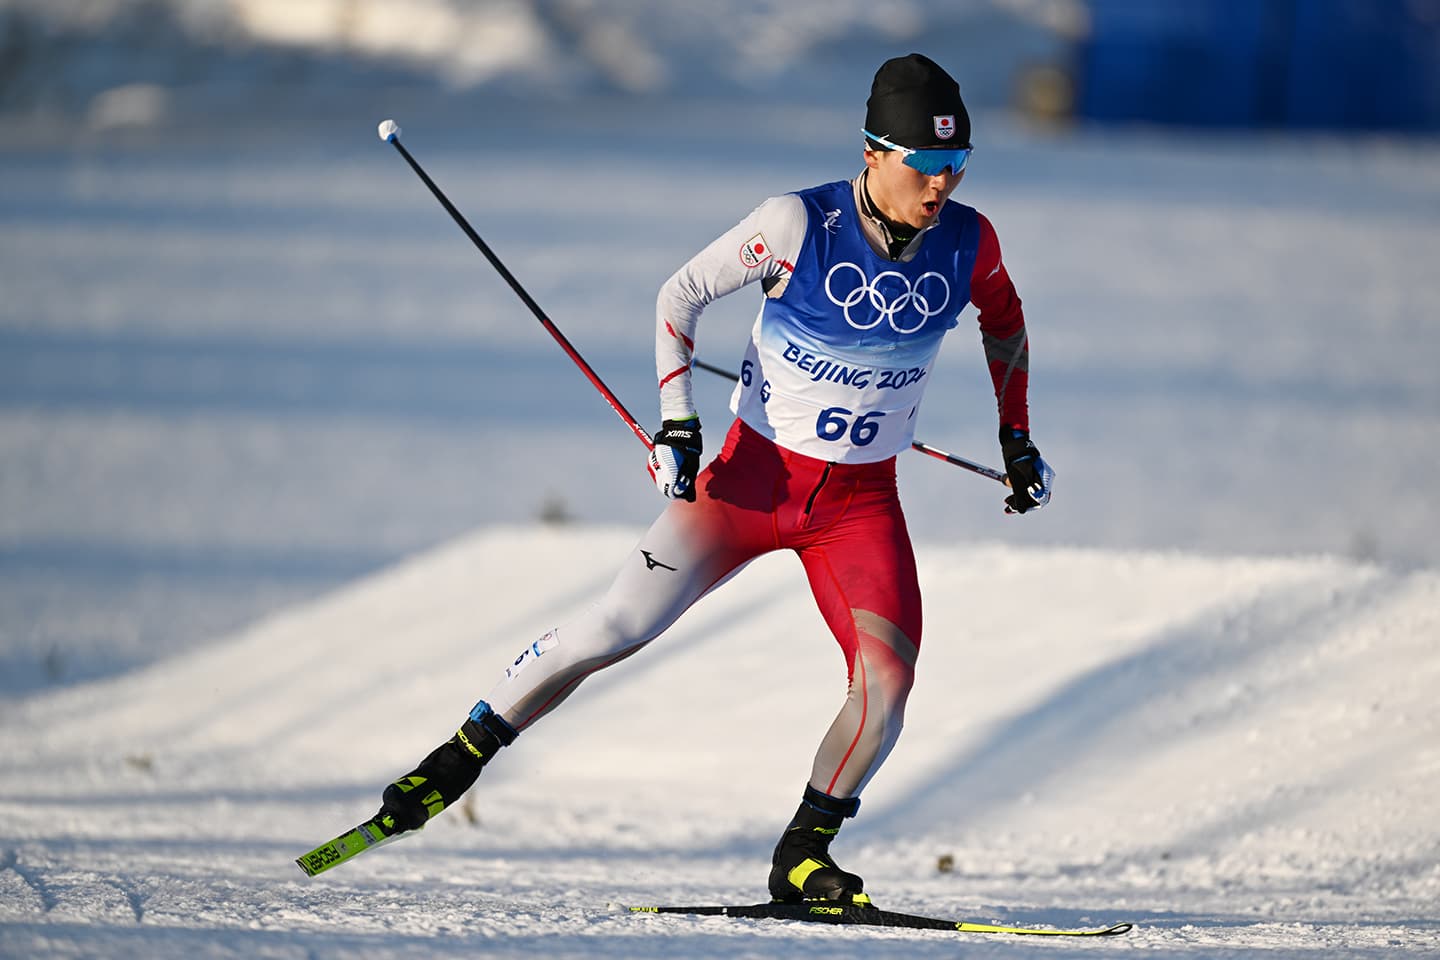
(931, 161)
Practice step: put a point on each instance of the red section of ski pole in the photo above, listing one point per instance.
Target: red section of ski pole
(524, 295)
(970, 465)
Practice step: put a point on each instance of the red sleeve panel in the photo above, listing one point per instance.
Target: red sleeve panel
(1002, 330)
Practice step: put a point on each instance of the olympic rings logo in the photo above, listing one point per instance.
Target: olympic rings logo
(889, 293)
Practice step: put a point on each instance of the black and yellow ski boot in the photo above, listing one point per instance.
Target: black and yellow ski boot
(443, 776)
(802, 867)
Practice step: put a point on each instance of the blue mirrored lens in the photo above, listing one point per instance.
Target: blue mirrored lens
(934, 162)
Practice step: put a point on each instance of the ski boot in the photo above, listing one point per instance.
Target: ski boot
(443, 776)
(802, 868)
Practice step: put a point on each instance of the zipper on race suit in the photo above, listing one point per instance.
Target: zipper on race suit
(810, 502)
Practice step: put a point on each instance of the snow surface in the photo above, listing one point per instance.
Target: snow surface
(1236, 754)
(274, 439)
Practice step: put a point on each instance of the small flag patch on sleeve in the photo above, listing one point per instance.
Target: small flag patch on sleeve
(755, 251)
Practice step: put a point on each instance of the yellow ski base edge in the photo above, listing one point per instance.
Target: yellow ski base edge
(348, 845)
(817, 911)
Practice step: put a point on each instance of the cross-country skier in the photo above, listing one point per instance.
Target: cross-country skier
(861, 279)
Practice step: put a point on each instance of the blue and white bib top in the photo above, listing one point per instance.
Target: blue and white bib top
(838, 361)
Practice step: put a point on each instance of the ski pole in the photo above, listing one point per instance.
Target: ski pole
(924, 448)
(390, 132)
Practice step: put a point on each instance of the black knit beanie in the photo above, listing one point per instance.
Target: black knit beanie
(915, 103)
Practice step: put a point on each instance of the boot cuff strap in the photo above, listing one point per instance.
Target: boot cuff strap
(832, 806)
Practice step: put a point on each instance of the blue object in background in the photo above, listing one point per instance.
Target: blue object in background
(1317, 64)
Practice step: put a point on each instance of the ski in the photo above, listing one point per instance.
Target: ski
(825, 912)
(366, 836)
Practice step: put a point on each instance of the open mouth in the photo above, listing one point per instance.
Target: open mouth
(930, 207)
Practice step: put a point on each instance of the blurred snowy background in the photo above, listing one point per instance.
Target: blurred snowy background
(245, 357)
(258, 395)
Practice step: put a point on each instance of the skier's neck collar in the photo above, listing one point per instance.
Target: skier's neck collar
(897, 236)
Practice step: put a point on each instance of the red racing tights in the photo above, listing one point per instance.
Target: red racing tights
(845, 523)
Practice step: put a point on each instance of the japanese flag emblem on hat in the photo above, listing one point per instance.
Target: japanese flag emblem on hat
(915, 103)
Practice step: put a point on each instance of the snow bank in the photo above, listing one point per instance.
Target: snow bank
(1234, 752)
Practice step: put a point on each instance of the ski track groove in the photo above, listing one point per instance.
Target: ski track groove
(132, 896)
(48, 900)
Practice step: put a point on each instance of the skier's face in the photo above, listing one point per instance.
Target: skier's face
(904, 194)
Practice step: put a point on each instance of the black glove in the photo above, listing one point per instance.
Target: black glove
(1031, 478)
(675, 459)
